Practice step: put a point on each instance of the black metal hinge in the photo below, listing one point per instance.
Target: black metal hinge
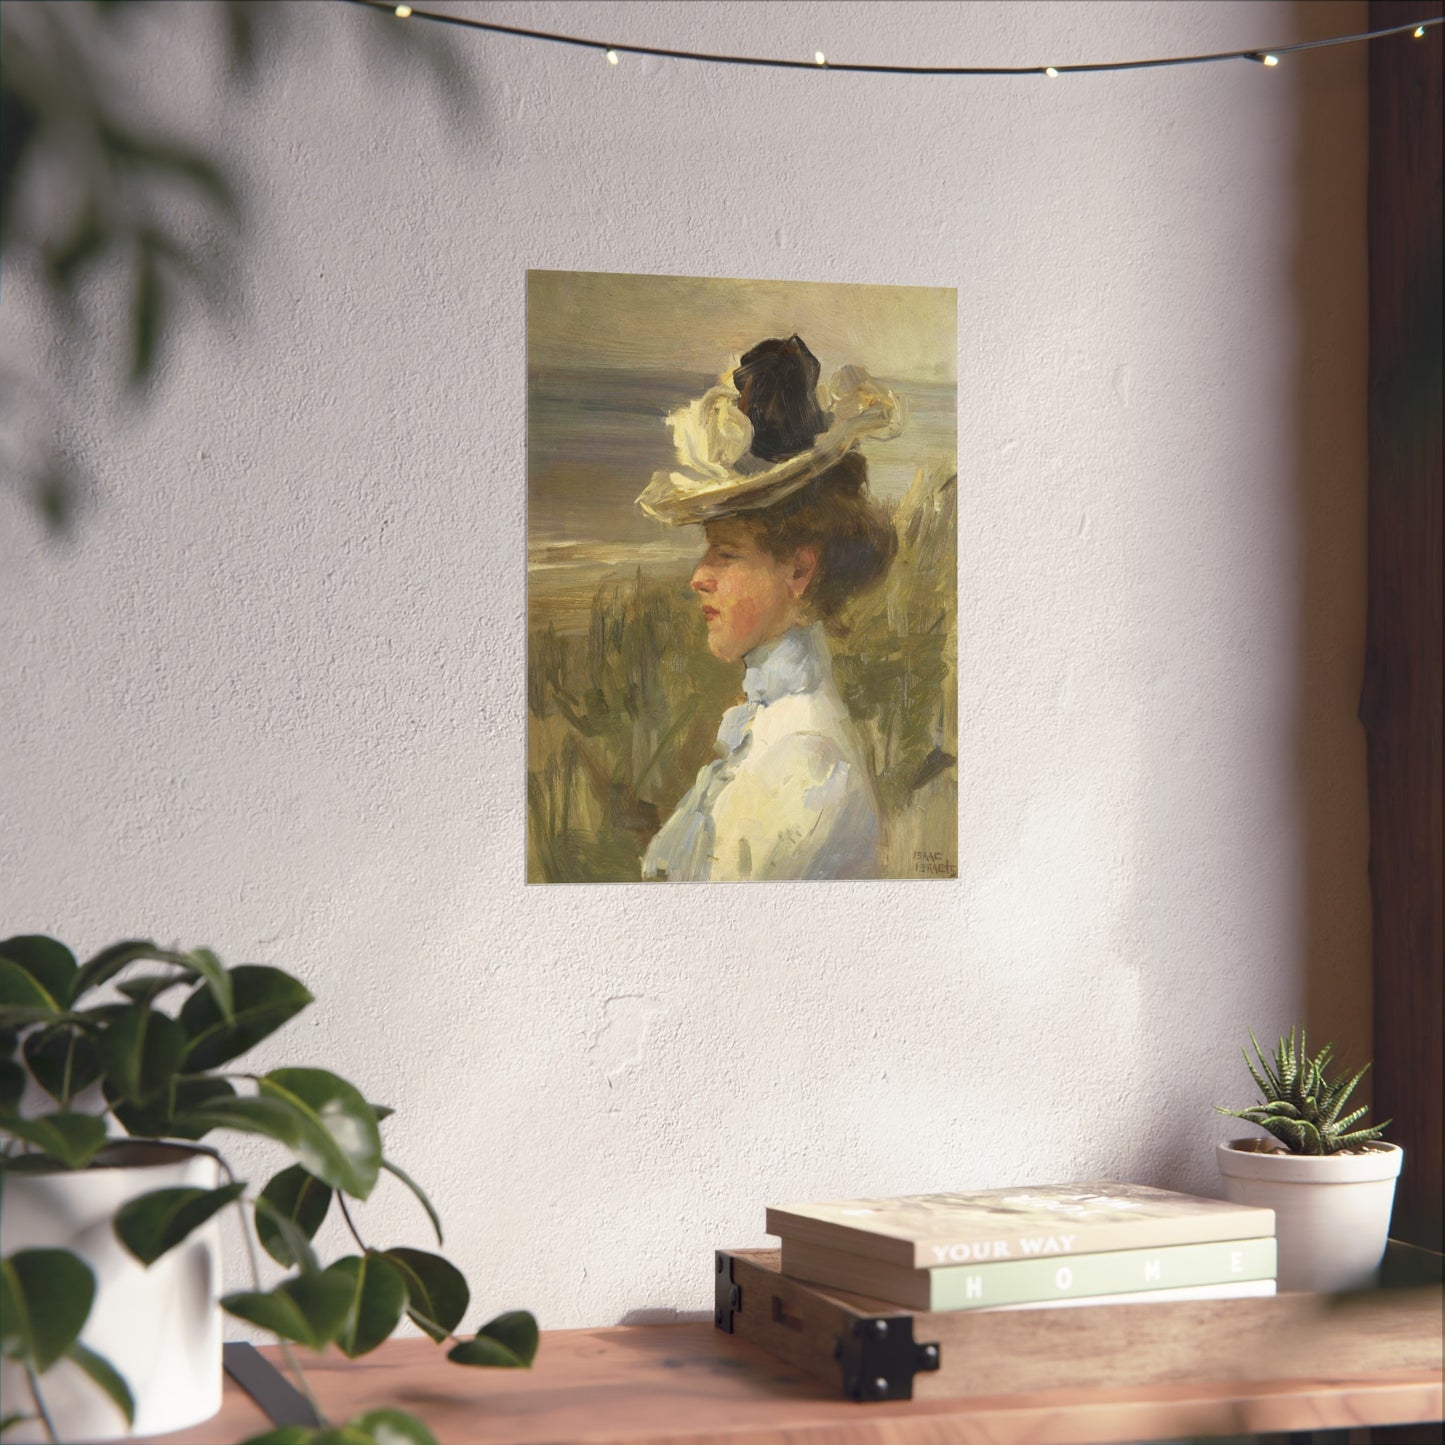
(880, 1358)
(727, 1296)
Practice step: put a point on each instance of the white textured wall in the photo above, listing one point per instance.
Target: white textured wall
(271, 697)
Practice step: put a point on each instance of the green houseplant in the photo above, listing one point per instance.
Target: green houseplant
(1331, 1184)
(104, 1066)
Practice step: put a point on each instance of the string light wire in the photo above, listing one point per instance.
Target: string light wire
(1259, 54)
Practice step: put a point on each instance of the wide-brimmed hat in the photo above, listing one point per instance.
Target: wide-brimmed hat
(765, 430)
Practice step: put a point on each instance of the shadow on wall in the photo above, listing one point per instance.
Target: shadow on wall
(91, 187)
(1311, 738)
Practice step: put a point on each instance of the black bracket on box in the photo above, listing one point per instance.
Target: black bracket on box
(280, 1401)
(727, 1296)
(880, 1358)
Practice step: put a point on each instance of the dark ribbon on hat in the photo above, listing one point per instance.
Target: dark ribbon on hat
(777, 391)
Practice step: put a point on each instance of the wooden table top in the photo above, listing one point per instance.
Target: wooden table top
(691, 1384)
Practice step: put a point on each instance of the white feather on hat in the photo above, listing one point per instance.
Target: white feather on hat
(717, 475)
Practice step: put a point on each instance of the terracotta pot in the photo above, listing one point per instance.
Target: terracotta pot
(1331, 1211)
(160, 1327)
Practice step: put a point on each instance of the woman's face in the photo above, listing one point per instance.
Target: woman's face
(748, 595)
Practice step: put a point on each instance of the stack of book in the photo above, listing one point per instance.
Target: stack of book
(1030, 1247)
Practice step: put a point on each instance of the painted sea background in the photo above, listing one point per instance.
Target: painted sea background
(623, 697)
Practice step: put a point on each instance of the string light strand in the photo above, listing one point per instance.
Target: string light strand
(1260, 55)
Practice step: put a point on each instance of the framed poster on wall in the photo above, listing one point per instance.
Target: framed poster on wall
(742, 580)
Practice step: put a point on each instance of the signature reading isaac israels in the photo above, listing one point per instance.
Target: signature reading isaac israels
(767, 464)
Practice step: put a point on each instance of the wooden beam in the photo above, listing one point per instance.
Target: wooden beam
(1400, 702)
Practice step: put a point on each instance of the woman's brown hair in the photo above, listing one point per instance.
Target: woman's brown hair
(854, 536)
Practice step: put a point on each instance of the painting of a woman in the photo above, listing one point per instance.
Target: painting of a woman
(750, 670)
(768, 466)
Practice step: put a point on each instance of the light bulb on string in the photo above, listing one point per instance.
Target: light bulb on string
(1260, 57)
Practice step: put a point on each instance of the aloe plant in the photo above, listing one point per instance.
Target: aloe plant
(168, 1074)
(1302, 1108)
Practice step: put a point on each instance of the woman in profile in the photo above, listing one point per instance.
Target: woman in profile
(792, 536)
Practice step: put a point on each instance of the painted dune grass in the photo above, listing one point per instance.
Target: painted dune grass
(622, 714)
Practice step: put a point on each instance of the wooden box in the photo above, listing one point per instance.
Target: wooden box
(870, 1350)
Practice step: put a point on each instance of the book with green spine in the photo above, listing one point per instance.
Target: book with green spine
(1034, 1281)
(923, 1231)
(1242, 1289)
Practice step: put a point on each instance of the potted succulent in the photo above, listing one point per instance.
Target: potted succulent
(1331, 1185)
(113, 1085)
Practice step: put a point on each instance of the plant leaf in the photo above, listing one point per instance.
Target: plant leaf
(187, 1094)
(73, 1139)
(273, 1311)
(416, 1189)
(11, 1421)
(109, 962)
(1285, 1063)
(180, 161)
(1344, 1090)
(23, 999)
(310, 1310)
(269, 1117)
(1338, 1126)
(517, 1330)
(378, 1296)
(46, 1052)
(392, 1427)
(195, 1091)
(264, 998)
(241, 34)
(1290, 1132)
(437, 1293)
(1360, 1136)
(141, 1051)
(141, 1121)
(14, 1323)
(298, 1197)
(148, 315)
(50, 964)
(210, 968)
(1282, 1107)
(296, 1243)
(340, 1143)
(279, 1115)
(97, 1018)
(19, 1016)
(46, 1296)
(507, 1342)
(104, 1374)
(148, 989)
(484, 1352)
(151, 1224)
(12, 1086)
(87, 238)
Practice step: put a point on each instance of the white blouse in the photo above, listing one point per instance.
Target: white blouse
(790, 794)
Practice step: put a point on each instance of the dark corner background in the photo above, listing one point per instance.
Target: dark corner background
(1401, 693)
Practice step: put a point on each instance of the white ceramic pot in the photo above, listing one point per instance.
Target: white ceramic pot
(160, 1327)
(1331, 1211)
